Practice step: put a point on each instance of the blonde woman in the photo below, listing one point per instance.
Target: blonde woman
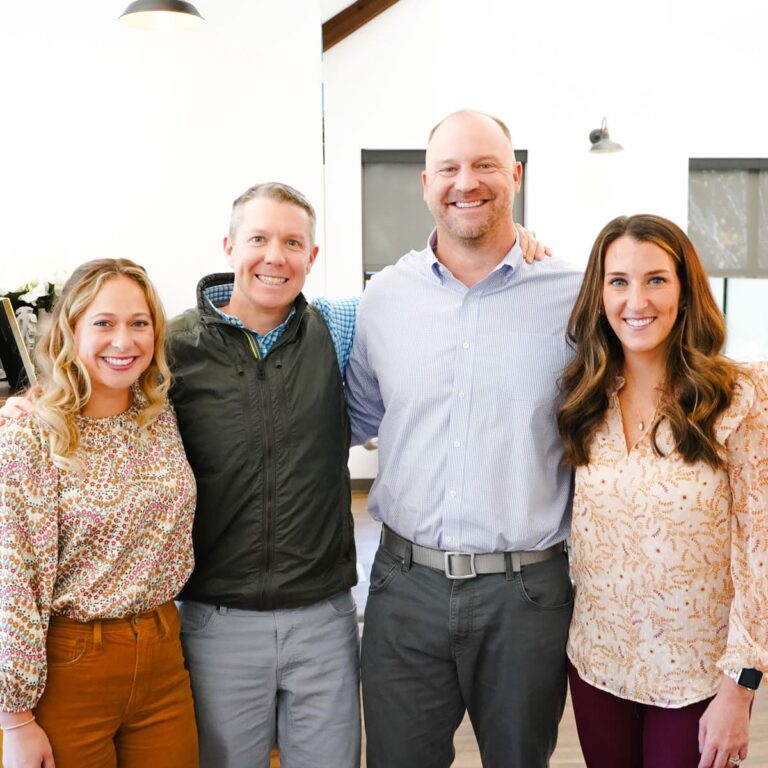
(669, 637)
(96, 506)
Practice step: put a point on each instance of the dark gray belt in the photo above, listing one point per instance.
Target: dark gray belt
(464, 565)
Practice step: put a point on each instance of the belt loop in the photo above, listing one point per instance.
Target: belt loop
(407, 556)
(97, 634)
(222, 610)
(517, 564)
(163, 623)
(509, 573)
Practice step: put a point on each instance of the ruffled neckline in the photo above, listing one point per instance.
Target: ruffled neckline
(109, 422)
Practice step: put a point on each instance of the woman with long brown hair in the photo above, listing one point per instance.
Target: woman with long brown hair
(96, 507)
(669, 438)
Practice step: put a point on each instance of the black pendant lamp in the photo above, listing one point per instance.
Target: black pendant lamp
(157, 14)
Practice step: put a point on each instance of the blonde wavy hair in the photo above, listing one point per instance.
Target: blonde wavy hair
(64, 382)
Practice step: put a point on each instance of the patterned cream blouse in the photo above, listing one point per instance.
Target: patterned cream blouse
(671, 559)
(111, 541)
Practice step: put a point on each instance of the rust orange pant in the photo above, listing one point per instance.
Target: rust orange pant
(118, 694)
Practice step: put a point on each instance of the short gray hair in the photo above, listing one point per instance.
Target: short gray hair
(273, 190)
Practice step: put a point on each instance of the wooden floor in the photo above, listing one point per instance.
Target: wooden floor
(568, 753)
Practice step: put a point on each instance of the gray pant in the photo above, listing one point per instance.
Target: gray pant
(286, 677)
(493, 646)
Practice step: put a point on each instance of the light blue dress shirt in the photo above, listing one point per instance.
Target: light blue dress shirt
(460, 384)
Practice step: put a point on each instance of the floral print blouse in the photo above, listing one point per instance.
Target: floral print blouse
(110, 541)
(670, 559)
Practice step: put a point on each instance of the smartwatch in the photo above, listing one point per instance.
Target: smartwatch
(746, 678)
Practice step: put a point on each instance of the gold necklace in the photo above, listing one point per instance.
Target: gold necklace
(641, 421)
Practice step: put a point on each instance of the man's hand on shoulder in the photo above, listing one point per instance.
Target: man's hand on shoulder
(532, 249)
(15, 407)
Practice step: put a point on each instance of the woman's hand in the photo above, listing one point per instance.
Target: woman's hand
(27, 747)
(724, 726)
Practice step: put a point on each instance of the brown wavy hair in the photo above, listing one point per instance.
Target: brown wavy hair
(64, 381)
(699, 381)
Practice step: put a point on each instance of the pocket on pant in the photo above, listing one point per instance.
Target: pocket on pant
(64, 651)
(384, 570)
(342, 604)
(196, 617)
(547, 585)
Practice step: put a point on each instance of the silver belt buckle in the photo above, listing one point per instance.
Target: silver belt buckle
(447, 565)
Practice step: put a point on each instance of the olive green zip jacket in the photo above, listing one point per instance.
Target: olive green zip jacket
(268, 440)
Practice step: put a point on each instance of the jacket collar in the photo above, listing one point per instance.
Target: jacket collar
(227, 278)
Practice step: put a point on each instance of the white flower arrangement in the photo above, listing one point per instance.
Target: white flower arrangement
(38, 293)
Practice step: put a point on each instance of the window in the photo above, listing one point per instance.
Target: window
(728, 224)
(728, 215)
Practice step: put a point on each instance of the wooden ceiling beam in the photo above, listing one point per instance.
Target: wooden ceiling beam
(354, 16)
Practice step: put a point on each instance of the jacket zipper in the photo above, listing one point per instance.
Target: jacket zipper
(269, 469)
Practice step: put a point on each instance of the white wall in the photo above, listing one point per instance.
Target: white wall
(120, 143)
(675, 79)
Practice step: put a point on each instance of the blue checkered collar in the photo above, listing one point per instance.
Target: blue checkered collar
(215, 291)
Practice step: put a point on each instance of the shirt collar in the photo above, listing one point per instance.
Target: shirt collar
(220, 295)
(618, 384)
(508, 265)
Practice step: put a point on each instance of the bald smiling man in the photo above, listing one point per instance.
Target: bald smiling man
(455, 366)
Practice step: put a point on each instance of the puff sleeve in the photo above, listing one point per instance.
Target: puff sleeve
(28, 559)
(747, 455)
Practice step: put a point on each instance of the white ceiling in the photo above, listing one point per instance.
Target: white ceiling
(329, 8)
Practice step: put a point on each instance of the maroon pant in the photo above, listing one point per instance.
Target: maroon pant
(616, 732)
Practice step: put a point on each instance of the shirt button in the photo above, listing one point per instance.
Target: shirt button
(465, 345)
(452, 493)
(462, 394)
(456, 443)
(449, 539)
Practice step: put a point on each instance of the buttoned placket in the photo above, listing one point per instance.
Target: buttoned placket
(458, 427)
